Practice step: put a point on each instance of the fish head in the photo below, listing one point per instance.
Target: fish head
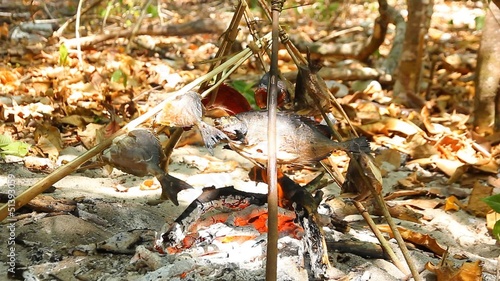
(181, 110)
(235, 128)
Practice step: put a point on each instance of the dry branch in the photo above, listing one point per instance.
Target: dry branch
(392, 60)
(379, 32)
(345, 50)
(195, 27)
(73, 18)
(407, 84)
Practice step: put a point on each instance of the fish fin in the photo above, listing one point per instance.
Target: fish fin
(211, 136)
(170, 186)
(357, 145)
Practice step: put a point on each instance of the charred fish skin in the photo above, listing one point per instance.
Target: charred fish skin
(299, 140)
(139, 153)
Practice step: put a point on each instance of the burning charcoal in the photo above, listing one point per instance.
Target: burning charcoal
(182, 234)
(211, 198)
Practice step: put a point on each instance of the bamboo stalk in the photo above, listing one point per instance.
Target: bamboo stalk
(272, 169)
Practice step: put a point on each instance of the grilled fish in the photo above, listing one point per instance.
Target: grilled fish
(185, 111)
(299, 141)
(140, 153)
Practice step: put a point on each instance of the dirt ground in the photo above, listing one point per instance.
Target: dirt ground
(69, 246)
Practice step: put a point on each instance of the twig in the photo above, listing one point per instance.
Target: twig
(252, 28)
(380, 237)
(199, 26)
(172, 142)
(137, 25)
(61, 29)
(46, 10)
(77, 34)
(379, 33)
(385, 212)
(229, 38)
(404, 250)
(340, 33)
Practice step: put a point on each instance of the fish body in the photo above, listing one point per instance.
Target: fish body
(186, 110)
(140, 153)
(299, 141)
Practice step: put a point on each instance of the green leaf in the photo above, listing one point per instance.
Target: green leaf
(9, 147)
(246, 90)
(17, 148)
(5, 140)
(152, 10)
(479, 22)
(493, 202)
(496, 230)
(119, 77)
(63, 55)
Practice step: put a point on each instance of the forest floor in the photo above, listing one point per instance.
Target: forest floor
(92, 225)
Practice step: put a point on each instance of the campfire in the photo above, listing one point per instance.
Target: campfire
(231, 225)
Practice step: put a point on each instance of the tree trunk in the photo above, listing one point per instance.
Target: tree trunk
(486, 99)
(407, 85)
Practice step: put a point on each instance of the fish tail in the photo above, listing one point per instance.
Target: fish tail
(211, 136)
(356, 145)
(170, 186)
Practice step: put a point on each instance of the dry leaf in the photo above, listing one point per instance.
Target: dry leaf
(476, 205)
(390, 156)
(401, 212)
(395, 142)
(468, 155)
(431, 128)
(410, 182)
(423, 203)
(228, 101)
(491, 218)
(420, 147)
(8, 78)
(48, 148)
(120, 188)
(452, 204)
(401, 126)
(447, 166)
(373, 128)
(417, 238)
(470, 271)
(459, 172)
(221, 166)
(75, 120)
(4, 30)
(494, 181)
(490, 167)
(368, 111)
